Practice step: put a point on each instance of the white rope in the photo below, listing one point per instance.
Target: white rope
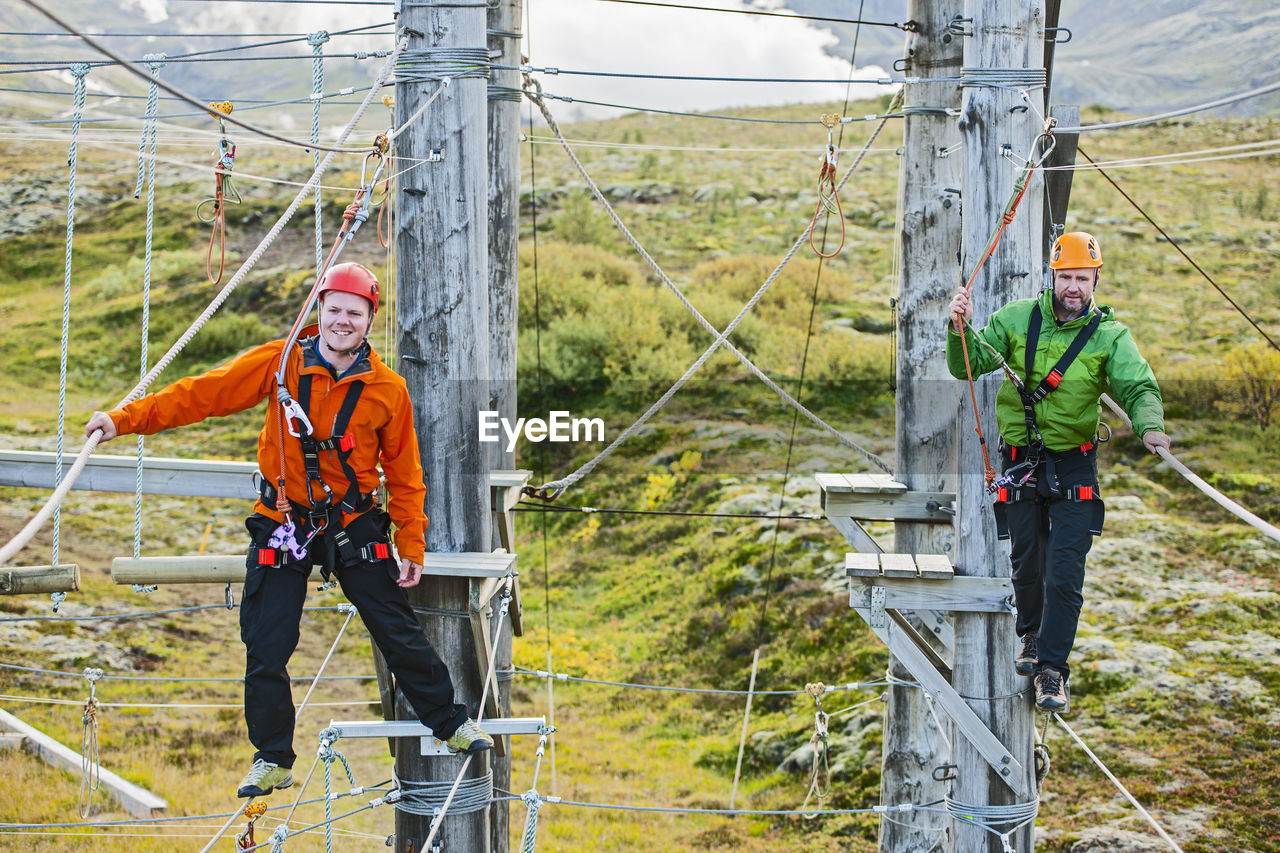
(24, 536)
(1217, 496)
(746, 718)
(556, 487)
(1121, 788)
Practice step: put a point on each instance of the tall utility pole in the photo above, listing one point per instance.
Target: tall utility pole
(927, 396)
(1003, 57)
(503, 21)
(443, 340)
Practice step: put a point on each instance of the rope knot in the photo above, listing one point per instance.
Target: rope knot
(317, 38)
(155, 61)
(532, 799)
(79, 69)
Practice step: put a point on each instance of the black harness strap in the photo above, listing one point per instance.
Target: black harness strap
(1054, 378)
(339, 442)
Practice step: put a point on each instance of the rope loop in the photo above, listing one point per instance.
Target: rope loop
(317, 38)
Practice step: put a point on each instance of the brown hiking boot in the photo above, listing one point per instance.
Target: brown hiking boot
(1051, 691)
(1024, 663)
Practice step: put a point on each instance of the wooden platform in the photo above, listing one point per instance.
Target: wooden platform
(927, 566)
(496, 728)
(878, 497)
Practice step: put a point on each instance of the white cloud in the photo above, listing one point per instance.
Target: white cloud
(598, 36)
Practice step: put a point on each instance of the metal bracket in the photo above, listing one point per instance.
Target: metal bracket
(877, 617)
(1055, 31)
(436, 155)
(956, 26)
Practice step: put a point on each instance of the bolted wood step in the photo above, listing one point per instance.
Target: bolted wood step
(923, 566)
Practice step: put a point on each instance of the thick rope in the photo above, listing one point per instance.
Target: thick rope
(327, 754)
(555, 488)
(154, 61)
(317, 41)
(78, 71)
(1216, 496)
(24, 536)
(746, 719)
(532, 799)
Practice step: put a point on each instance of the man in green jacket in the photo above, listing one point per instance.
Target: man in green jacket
(1069, 351)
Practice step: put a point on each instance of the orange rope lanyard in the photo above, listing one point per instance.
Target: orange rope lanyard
(1010, 211)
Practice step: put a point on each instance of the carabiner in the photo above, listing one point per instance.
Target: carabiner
(292, 412)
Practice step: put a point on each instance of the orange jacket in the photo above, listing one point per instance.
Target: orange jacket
(382, 426)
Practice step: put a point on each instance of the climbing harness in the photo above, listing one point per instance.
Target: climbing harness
(828, 193)
(1047, 141)
(90, 769)
(224, 192)
(820, 770)
(253, 811)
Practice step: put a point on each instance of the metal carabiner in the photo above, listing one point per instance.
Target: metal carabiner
(292, 412)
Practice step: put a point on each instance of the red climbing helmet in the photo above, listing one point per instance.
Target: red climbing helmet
(351, 278)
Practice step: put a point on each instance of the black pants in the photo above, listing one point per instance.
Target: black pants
(271, 611)
(1050, 534)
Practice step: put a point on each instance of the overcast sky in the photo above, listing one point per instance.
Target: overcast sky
(603, 36)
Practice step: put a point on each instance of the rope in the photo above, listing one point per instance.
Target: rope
(746, 718)
(555, 488)
(1218, 497)
(24, 536)
(90, 768)
(1121, 788)
(78, 71)
(1010, 211)
(1181, 251)
(317, 41)
(821, 767)
(532, 800)
(327, 754)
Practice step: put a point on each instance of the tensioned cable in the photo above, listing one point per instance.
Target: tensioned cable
(571, 100)
(909, 26)
(554, 71)
(63, 65)
(1220, 102)
(136, 615)
(710, 691)
(173, 90)
(1177, 158)
(1181, 251)
(229, 679)
(591, 510)
(241, 103)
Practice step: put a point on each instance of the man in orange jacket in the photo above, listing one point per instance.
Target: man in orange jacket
(322, 510)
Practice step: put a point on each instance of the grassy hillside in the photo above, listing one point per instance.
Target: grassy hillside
(1175, 683)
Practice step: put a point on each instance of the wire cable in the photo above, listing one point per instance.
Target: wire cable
(909, 26)
(1220, 102)
(698, 78)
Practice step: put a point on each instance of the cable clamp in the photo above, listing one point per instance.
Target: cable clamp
(315, 96)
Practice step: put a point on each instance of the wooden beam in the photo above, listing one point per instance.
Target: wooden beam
(161, 475)
(137, 801)
(496, 727)
(971, 595)
(231, 568)
(1002, 762)
(29, 580)
(855, 534)
(881, 506)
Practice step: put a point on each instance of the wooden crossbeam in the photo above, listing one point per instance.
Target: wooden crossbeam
(969, 594)
(231, 568)
(29, 580)
(880, 497)
(504, 493)
(161, 475)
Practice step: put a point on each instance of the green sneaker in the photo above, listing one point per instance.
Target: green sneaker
(263, 778)
(469, 739)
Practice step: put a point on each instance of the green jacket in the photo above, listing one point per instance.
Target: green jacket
(1068, 416)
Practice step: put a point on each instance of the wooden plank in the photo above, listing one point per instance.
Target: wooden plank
(935, 566)
(137, 801)
(161, 475)
(875, 484)
(505, 479)
(855, 534)
(898, 566)
(965, 594)
(28, 580)
(231, 568)
(834, 483)
(1003, 762)
(862, 565)
(906, 506)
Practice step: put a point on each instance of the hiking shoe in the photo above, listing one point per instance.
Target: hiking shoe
(1051, 691)
(263, 778)
(469, 739)
(1025, 661)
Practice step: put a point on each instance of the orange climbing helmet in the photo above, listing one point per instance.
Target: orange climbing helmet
(351, 278)
(1075, 249)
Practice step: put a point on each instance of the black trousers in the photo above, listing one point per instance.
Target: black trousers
(270, 614)
(1050, 533)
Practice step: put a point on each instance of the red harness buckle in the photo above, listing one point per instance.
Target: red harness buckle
(1053, 378)
(1002, 495)
(266, 556)
(347, 442)
(1084, 493)
(381, 551)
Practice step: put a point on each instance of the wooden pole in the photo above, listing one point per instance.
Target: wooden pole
(995, 119)
(927, 396)
(503, 23)
(442, 332)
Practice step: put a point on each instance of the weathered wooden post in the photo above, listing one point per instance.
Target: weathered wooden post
(504, 237)
(927, 396)
(1003, 56)
(443, 341)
